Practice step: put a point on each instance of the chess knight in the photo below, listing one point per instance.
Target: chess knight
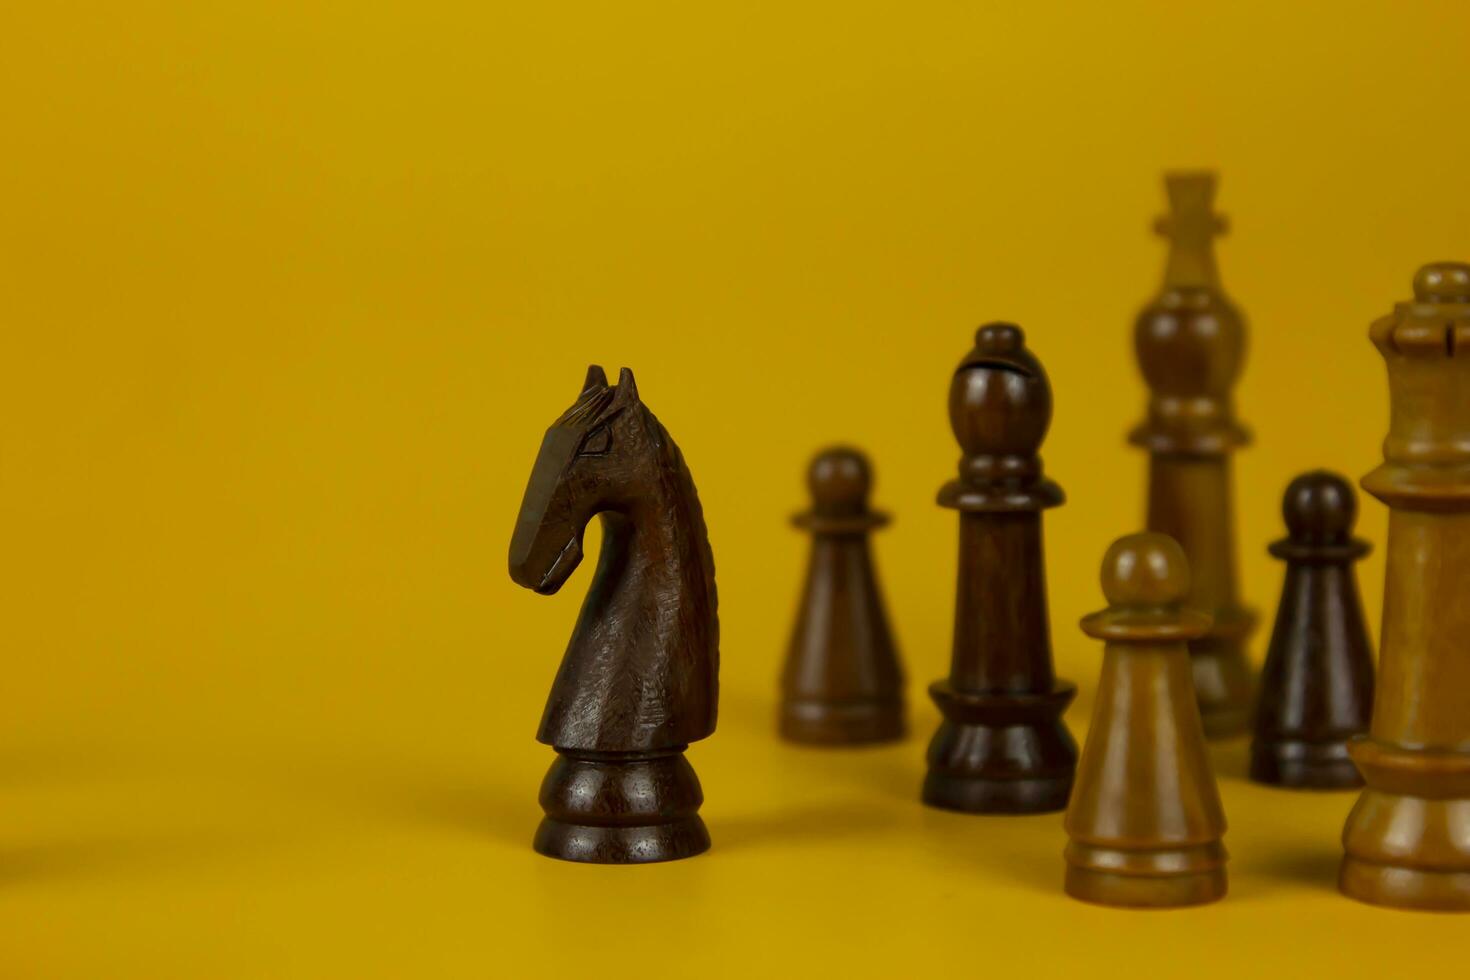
(639, 679)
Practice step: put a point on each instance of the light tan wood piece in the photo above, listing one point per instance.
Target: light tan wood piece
(1408, 837)
(1145, 822)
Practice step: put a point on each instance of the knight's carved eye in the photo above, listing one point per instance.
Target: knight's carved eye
(596, 444)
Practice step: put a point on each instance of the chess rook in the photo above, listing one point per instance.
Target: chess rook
(842, 683)
(1190, 343)
(1002, 746)
(639, 679)
(1407, 839)
(1145, 824)
(1317, 684)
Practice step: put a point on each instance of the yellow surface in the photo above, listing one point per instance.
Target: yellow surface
(290, 291)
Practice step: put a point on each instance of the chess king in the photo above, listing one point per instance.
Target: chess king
(639, 679)
(1408, 838)
(1190, 342)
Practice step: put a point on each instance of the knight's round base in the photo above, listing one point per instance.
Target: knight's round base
(622, 845)
(1304, 765)
(1145, 891)
(838, 723)
(971, 794)
(621, 808)
(1404, 888)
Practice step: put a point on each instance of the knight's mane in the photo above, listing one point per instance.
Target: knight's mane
(588, 409)
(591, 409)
(680, 484)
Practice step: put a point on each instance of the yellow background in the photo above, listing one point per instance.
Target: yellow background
(290, 291)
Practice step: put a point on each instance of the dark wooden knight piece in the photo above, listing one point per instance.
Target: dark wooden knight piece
(639, 680)
(1002, 747)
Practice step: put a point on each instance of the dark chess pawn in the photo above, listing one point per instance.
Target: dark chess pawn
(1317, 686)
(842, 684)
(1002, 746)
(1144, 825)
(639, 679)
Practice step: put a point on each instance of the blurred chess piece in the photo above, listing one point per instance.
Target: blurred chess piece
(1408, 838)
(1317, 685)
(842, 684)
(1190, 342)
(1002, 746)
(1145, 822)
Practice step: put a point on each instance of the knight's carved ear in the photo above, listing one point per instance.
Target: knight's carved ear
(627, 387)
(595, 379)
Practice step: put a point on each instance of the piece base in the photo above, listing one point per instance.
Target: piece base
(842, 723)
(1304, 765)
(976, 794)
(1001, 751)
(1404, 888)
(621, 807)
(1145, 891)
(621, 845)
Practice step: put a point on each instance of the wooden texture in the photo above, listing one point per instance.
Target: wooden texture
(1145, 824)
(1407, 840)
(842, 683)
(1190, 343)
(639, 679)
(1002, 746)
(1317, 684)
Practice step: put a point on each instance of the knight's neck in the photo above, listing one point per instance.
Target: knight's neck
(640, 545)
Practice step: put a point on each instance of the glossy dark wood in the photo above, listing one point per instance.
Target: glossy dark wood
(1190, 343)
(1002, 746)
(842, 683)
(639, 679)
(1407, 839)
(1317, 684)
(1145, 825)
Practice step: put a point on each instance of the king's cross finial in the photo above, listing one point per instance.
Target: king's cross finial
(1191, 227)
(1191, 216)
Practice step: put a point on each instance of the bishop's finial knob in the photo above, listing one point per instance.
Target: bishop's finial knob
(1145, 570)
(1000, 399)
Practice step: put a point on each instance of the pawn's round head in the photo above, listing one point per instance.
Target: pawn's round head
(1319, 508)
(1443, 282)
(1000, 399)
(840, 479)
(1146, 570)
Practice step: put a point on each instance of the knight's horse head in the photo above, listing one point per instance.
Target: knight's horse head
(581, 470)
